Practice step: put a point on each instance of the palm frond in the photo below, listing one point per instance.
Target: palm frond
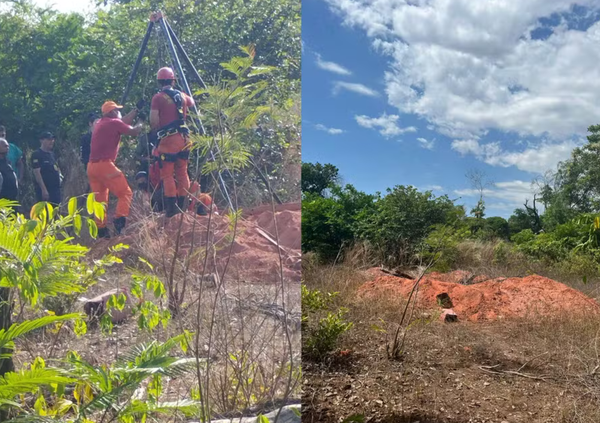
(13, 383)
(7, 336)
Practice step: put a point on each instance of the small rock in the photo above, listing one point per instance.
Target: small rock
(449, 316)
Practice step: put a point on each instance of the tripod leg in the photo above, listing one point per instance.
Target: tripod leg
(183, 54)
(137, 62)
(186, 87)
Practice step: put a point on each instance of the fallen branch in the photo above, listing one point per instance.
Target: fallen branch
(489, 369)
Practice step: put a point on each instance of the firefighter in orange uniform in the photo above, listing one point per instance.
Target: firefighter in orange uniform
(168, 113)
(103, 175)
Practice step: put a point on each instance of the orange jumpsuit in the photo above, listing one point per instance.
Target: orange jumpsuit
(103, 175)
(173, 175)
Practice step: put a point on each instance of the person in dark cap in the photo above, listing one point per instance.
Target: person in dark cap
(46, 171)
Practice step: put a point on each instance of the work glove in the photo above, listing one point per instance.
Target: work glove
(140, 104)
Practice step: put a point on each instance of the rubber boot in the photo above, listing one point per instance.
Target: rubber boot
(103, 233)
(181, 203)
(119, 224)
(171, 206)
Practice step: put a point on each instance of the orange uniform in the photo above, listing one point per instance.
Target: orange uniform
(173, 144)
(103, 175)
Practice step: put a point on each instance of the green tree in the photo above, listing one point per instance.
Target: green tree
(497, 227)
(401, 220)
(60, 67)
(329, 224)
(316, 178)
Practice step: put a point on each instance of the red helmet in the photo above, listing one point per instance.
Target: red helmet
(165, 73)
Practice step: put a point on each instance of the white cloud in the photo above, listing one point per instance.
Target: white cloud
(426, 144)
(332, 66)
(387, 125)
(470, 66)
(332, 131)
(433, 188)
(354, 87)
(511, 195)
(534, 159)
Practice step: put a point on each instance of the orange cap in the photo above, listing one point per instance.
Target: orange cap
(109, 106)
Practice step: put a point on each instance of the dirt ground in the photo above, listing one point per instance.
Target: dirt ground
(541, 368)
(246, 297)
(477, 297)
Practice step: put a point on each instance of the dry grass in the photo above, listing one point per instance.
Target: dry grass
(237, 324)
(528, 370)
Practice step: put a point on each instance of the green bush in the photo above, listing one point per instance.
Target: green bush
(402, 220)
(442, 243)
(522, 237)
(330, 224)
(321, 334)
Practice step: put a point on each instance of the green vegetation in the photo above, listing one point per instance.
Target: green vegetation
(179, 352)
(60, 67)
(406, 225)
(321, 328)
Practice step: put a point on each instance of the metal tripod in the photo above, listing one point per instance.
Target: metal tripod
(175, 46)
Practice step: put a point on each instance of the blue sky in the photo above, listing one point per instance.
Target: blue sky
(399, 92)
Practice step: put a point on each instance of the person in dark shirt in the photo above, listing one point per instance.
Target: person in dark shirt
(86, 140)
(9, 187)
(46, 172)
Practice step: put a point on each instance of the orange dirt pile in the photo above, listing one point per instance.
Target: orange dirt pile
(252, 257)
(486, 300)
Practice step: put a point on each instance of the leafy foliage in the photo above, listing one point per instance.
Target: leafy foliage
(401, 221)
(321, 333)
(63, 66)
(316, 178)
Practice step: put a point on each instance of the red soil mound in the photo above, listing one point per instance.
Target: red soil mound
(252, 257)
(489, 300)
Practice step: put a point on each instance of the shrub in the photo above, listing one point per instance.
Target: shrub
(522, 237)
(402, 220)
(321, 338)
(443, 242)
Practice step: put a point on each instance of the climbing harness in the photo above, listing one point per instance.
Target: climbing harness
(172, 157)
(178, 126)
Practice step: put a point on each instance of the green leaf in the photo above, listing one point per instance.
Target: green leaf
(31, 225)
(119, 247)
(90, 204)
(17, 330)
(262, 419)
(121, 299)
(146, 262)
(25, 381)
(93, 228)
(80, 327)
(72, 206)
(37, 210)
(99, 211)
(77, 224)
